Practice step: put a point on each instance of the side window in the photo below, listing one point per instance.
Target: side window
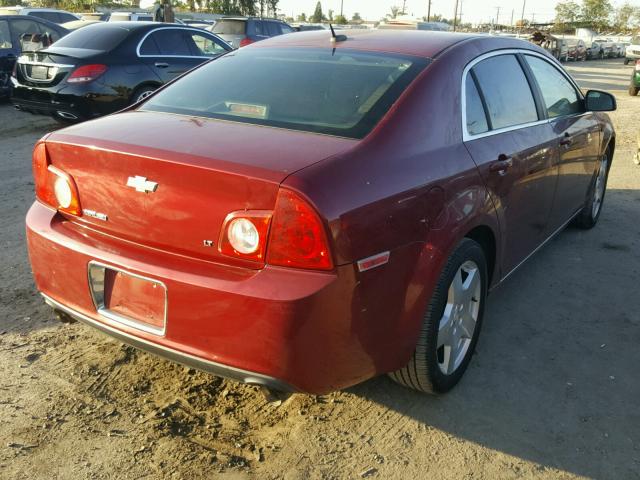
(286, 28)
(260, 28)
(20, 27)
(205, 46)
(273, 29)
(55, 36)
(149, 46)
(5, 35)
(476, 118)
(506, 91)
(559, 96)
(171, 41)
(66, 17)
(51, 16)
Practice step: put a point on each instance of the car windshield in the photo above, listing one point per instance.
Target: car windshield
(341, 92)
(100, 36)
(230, 27)
(635, 41)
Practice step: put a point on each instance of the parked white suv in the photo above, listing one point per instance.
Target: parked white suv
(51, 14)
(632, 51)
(131, 17)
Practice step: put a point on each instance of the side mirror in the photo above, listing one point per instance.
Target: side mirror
(597, 101)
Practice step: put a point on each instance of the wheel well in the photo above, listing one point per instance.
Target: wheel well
(143, 85)
(484, 236)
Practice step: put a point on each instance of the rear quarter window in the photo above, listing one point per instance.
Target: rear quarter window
(100, 37)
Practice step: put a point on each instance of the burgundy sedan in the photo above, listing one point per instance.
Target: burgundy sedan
(309, 212)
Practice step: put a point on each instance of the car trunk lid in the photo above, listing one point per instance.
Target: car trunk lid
(48, 68)
(170, 184)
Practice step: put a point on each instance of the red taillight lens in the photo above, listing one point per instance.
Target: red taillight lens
(53, 186)
(244, 235)
(297, 237)
(86, 73)
(245, 41)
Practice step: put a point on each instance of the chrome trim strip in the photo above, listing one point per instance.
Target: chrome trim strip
(97, 296)
(174, 355)
(466, 136)
(548, 239)
(198, 30)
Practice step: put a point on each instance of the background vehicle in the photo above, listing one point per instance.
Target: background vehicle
(12, 29)
(50, 14)
(601, 49)
(632, 52)
(576, 50)
(104, 67)
(76, 24)
(354, 235)
(130, 17)
(100, 16)
(241, 31)
(559, 48)
(634, 86)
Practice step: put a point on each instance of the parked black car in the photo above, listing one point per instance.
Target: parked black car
(241, 31)
(12, 29)
(104, 67)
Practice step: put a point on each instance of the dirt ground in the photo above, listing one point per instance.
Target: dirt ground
(552, 392)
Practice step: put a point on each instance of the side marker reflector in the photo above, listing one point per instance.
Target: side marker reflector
(373, 261)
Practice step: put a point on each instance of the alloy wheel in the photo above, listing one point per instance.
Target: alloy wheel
(601, 183)
(460, 317)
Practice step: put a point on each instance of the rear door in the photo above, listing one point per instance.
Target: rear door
(169, 52)
(8, 53)
(514, 149)
(577, 137)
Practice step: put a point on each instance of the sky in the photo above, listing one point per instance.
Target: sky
(474, 11)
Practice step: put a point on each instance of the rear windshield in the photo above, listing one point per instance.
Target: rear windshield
(230, 27)
(341, 93)
(101, 37)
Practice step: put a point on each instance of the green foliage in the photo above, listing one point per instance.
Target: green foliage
(356, 18)
(302, 17)
(340, 20)
(567, 12)
(596, 13)
(317, 16)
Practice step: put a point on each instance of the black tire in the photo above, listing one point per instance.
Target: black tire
(423, 371)
(587, 218)
(141, 93)
(626, 61)
(633, 90)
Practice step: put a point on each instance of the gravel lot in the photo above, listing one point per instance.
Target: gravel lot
(552, 393)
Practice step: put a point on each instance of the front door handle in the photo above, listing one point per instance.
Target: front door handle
(161, 64)
(501, 165)
(567, 140)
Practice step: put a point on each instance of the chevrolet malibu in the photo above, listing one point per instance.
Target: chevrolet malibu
(314, 210)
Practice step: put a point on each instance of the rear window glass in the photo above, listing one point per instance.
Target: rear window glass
(100, 37)
(341, 93)
(230, 27)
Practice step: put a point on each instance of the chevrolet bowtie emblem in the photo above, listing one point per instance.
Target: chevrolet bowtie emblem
(141, 184)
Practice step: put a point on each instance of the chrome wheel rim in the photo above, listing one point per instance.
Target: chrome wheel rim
(598, 193)
(144, 95)
(460, 317)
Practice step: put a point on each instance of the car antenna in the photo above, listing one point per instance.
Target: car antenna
(336, 38)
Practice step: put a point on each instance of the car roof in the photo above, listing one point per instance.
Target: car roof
(420, 43)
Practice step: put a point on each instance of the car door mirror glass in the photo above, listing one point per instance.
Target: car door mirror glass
(597, 101)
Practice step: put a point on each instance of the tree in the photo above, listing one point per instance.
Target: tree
(394, 11)
(317, 16)
(596, 13)
(356, 18)
(341, 20)
(567, 12)
(330, 15)
(302, 18)
(625, 16)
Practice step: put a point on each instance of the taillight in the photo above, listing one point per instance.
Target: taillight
(245, 41)
(244, 235)
(53, 186)
(86, 73)
(297, 236)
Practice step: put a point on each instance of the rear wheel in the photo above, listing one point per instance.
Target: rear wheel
(590, 213)
(626, 61)
(633, 90)
(451, 324)
(142, 93)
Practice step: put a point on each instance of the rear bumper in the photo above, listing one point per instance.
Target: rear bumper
(285, 328)
(174, 355)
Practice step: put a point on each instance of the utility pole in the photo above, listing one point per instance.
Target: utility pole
(460, 13)
(533, 18)
(512, 12)
(497, 15)
(524, 4)
(429, 11)
(455, 17)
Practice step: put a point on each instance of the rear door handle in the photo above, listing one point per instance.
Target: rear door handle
(566, 141)
(501, 165)
(161, 64)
